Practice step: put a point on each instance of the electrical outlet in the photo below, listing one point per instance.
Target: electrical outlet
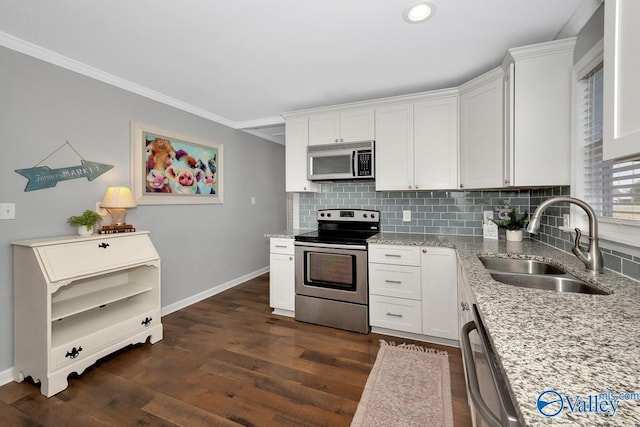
(406, 216)
(101, 211)
(7, 211)
(253, 200)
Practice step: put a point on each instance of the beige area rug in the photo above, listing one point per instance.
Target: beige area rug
(409, 385)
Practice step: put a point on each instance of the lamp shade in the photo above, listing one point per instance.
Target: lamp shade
(118, 197)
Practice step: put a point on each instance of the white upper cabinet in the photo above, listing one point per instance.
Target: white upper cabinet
(435, 143)
(537, 107)
(621, 83)
(481, 131)
(296, 139)
(417, 143)
(394, 147)
(351, 125)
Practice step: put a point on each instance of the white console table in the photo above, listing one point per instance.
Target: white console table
(77, 299)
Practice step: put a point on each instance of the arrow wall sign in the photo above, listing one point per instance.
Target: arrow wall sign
(41, 177)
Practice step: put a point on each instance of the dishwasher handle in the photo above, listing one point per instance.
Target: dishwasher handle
(472, 377)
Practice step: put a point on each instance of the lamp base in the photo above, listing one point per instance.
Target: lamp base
(118, 215)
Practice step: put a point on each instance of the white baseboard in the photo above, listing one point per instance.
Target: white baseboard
(211, 292)
(6, 376)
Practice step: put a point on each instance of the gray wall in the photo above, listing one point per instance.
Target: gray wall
(201, 246)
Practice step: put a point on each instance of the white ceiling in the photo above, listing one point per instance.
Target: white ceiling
(244, 62)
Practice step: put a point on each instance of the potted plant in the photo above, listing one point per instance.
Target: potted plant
(514, 224)
(85, 222)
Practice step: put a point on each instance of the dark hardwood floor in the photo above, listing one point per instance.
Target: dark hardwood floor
(225, 361)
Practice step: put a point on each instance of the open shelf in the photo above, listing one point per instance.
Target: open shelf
(86, 302)
(72, 330)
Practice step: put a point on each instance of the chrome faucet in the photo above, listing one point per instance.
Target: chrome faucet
(592, 258)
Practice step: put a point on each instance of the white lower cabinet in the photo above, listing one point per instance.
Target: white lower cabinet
(413, 289)
(78, 299)
(282, 276)
(439, 293)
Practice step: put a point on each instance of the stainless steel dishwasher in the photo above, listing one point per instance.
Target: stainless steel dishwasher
(491, 403)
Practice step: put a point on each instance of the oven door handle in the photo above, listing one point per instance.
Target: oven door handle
(472, 377)
(331, 246)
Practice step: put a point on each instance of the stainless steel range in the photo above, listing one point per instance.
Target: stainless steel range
(331, 269)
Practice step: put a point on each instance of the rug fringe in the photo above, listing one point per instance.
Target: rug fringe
(414, 347)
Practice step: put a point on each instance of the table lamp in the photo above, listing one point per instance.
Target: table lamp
(116, 201)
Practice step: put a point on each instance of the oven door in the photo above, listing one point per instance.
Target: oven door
(332, 271)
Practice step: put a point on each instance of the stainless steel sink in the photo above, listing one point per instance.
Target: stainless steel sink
(525, 266)
(533, 274)
(560, 283)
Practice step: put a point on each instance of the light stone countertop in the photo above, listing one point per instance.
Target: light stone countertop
(576, 344)
(286, 234)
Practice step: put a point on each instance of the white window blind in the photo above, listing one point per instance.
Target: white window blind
(611, 188)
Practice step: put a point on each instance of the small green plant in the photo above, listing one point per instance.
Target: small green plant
(88, 218)
(514, 221)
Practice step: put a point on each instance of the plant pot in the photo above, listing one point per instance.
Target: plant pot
(514, 235)
(83, 230)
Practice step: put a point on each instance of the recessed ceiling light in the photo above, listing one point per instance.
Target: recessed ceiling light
(419, 11)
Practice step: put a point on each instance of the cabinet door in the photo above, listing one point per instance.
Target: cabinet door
(621, 83)
(540, 153)
(324, 128)
(394, 147)
(282, 282)
(296, 137)
(435, 144)
(439, 293)
(481, 136)
(357, 125)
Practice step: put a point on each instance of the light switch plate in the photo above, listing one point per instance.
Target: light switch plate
(7, 211)
(406, 216)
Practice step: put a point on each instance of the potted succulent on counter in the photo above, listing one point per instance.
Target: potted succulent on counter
(85, 222)
(514, 224)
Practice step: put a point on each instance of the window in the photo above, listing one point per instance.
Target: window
(611, 188)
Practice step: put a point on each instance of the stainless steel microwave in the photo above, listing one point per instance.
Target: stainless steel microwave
(354, 160)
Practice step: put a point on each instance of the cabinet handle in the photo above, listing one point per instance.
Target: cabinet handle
(335, 140)
(461, 185)
(290, 258)
(506, 181)
(464, 305)
(410, 187)
(424, 251)
(394, 314)
(103, 245)
(147, 321)
(75, 352)
(280, 246)
(393, 255)
(396, 282)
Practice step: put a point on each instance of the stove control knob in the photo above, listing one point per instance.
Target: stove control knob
(373, 216)
(364, 215)
(322, 214)
(329, 214)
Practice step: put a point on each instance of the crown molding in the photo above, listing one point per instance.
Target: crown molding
(54, 58)
(579, 18)
(260, 123)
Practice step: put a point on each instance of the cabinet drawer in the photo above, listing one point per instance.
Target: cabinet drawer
(395, 313)
(393, 254)
(391, 280)
(77, 259)
(281, 246)
(88, 345)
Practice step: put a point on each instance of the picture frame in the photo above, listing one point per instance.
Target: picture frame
(168, 168)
